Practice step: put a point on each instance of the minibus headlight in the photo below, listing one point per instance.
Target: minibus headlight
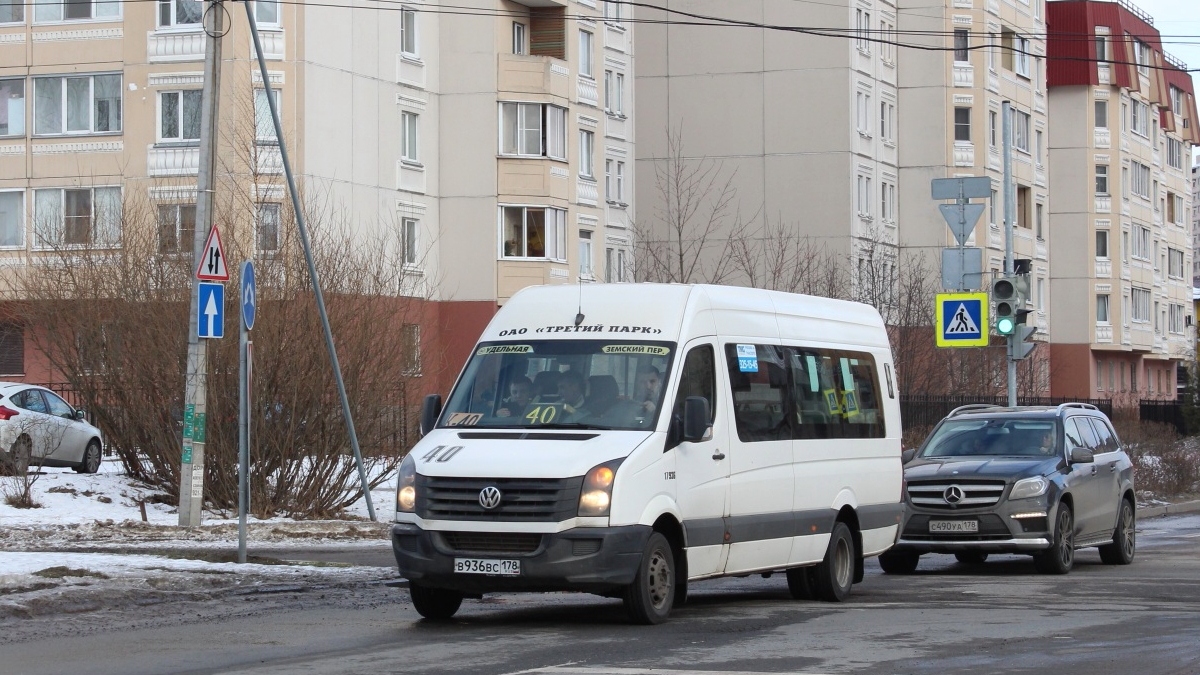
(1029, 487)
(596, 495)
(406, 486)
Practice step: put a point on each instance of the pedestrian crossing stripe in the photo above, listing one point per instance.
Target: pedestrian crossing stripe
(962, 319)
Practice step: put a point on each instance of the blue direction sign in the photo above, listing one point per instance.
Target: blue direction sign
(249, 295)
(962, 320)
(210, 318)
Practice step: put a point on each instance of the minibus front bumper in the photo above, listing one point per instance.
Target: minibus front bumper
(586, 559)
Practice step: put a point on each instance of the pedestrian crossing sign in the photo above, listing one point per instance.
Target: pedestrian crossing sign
(962, 319)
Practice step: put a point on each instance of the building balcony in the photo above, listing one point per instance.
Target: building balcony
(1039, 249)
(268, 159)
(993, 82)
(616, 126)
(964, 75)
(175, 45)
(1039, 175)
(1104, 334)
(1102, 138)
(272, 43)
(993, 161)
(1103, 269)
(1103, 204)
(586, 91)
(533, 75)
(181, 160)
(964, 153)
(586, 192)
(1103, 74)
(616, 38)
(410, 177)
(993, 7)
(538, 178)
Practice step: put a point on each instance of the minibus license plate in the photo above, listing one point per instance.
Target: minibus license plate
(954, 526)
(504, 568)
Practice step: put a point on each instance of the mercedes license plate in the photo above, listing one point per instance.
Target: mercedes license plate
(504, 568)
(954, 526)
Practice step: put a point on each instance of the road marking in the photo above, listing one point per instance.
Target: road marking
(605, 670)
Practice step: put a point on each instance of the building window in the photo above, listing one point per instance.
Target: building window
(1015, 52)
(179, 116)
(264, 123)
(1102, 244)
(408, 33)
(863, 196)
(615, 269)
(1176, 100)
(534, 232)
(1102, 179)
(1174, 153)
(12, 113)
(520, 44)
(12, 348)
(1175, 263)
(1125, 248)
(609, 194)
(179, 12)
(1020, 131)
(1141, 53)
(1140, 181)
(587, 154)
(408, 138)
(1102, 309)
(409, 227)
(1139, 121)
(266, 228)
(614, 92)
(75, 10)
(1041, 294)
(1023, 217)
(533, 130)
(176, 228)
(863, 113)
(1175, 320)
(1038, 210)
(993, 116)
(266, 12)
(1179, 210)
(77, 217)
(1101, 48)
(12, 219)
(12, 11)
(1141, 242)
(612, 11)
(586, 268)
(1037, 147)
(961, 44)
(620, 183)
(585, 53)
(887, 203)
(862, 30)
(410, 348)
(992, 211)
(887, 48)
(89, 104)
(1101, 114)
(1141, 305)
(887, 122)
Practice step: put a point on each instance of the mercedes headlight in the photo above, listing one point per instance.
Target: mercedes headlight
(1029, 487)
(406, 486)
(596, 495)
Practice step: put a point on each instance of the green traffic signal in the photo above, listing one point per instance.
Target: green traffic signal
(1005, 325)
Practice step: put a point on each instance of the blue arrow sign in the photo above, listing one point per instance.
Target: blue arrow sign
(210, 318)
(249, 294)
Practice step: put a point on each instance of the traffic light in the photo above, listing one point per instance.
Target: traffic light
(1004, 292)
(1021, 347)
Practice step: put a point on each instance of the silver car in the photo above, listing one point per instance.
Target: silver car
(39, 428)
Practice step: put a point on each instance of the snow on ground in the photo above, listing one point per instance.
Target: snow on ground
(88, 547)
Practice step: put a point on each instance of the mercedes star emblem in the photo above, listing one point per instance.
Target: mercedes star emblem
(953, 495)
(489, 497)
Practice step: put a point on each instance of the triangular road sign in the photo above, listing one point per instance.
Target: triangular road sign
(961, 322)
(212, 259)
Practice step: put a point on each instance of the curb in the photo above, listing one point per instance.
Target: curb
(1169, 509)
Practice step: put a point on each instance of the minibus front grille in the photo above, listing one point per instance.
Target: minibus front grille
(521, 499)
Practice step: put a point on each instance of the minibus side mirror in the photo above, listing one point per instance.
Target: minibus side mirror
(695, 419)
(430, 411)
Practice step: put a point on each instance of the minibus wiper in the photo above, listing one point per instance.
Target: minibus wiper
(568, 425)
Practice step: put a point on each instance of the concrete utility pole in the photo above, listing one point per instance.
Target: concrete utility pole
(1010, 208)
(191, 472)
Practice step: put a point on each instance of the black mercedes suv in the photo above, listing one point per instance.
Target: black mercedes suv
(1038, 480)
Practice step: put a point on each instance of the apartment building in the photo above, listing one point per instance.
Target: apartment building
(493, 142)
(803, 127)
(985, 52)
(1120, 164)
(1195, 225)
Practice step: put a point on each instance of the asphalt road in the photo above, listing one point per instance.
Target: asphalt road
(1001, 617)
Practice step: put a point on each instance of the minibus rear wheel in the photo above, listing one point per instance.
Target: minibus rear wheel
(434, 603)
(835, 574)
(649, 598)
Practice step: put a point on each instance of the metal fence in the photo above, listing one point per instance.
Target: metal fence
(1167, 412)
(926, 410)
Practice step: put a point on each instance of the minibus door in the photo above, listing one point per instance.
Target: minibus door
(701, 466)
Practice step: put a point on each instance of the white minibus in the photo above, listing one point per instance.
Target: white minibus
(630, 439)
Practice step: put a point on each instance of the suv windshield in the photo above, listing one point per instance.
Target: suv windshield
(599, 384)
(1007, 437)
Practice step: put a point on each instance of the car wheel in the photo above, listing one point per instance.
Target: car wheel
(971, 557)
(649, 598)
(899, 562)
(835, 574)
(1124, 543)
(802, 582)
(91, 459)
(434, 603)
(1060, 557)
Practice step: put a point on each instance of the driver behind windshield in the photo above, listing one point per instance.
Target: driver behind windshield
(571, 391)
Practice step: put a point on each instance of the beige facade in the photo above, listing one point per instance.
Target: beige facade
(952, 126)
(802, 126)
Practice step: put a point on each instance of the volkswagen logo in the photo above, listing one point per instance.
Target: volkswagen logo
(489, 497)
(953, 495)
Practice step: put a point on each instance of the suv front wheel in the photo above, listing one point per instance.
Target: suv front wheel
(1060, 557)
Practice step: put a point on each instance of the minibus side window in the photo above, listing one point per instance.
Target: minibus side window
(698, 378)
(758, 383)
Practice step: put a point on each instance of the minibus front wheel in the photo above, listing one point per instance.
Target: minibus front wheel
(434, 603)
(649, 598)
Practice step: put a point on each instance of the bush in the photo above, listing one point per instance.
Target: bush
(1165, 463)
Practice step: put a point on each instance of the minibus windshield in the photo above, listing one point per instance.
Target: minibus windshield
(562, 384)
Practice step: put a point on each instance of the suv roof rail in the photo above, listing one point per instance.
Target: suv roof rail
(972, 406)
(1085, 406)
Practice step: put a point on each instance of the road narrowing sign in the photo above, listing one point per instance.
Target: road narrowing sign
(962, 319)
